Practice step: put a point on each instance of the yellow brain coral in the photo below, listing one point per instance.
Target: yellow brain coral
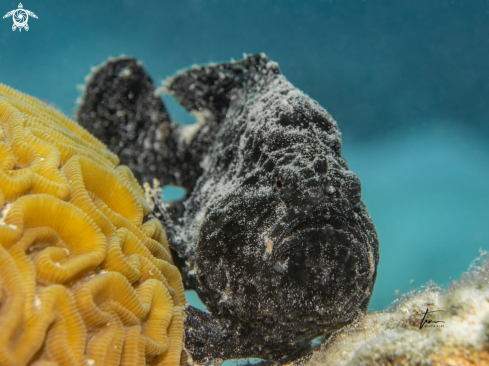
(83, 280)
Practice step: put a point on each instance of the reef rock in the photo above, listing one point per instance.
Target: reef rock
(428, 326)
(273, 234)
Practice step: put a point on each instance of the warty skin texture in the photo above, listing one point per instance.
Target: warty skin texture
(274, 236)
(120, 108)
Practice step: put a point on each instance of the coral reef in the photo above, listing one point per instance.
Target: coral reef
(274, 236)
(84, 280)
(428, 326)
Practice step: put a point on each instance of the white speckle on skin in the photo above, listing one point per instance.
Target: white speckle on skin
(207, 186)
(189, 132)
(153, 116)
(281, 265)
(206, 162)
(271, 64)
(126, 72)
(269, 247)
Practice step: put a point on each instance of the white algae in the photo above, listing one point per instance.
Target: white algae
(428, 326)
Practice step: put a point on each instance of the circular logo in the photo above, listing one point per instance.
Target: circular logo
(20, 18)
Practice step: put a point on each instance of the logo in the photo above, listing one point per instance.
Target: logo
(20, 17)
(429, 319)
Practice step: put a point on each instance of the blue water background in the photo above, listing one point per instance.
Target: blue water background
(407, 81)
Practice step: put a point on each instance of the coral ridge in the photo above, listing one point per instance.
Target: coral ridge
(84, 280)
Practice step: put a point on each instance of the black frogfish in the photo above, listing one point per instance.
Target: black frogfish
(273, 234)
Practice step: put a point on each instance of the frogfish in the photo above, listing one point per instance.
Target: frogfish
(272, 234)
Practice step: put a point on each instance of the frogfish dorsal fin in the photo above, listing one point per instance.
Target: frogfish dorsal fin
(211, 87)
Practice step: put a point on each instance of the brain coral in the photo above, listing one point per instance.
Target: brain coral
(84, 278)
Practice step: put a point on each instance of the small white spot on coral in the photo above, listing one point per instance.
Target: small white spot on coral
(90, 362)
(4, 212)
(37, 302)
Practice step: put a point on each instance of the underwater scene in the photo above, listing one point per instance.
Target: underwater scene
(325, 174)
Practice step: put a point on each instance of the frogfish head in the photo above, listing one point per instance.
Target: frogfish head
(287, 243)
